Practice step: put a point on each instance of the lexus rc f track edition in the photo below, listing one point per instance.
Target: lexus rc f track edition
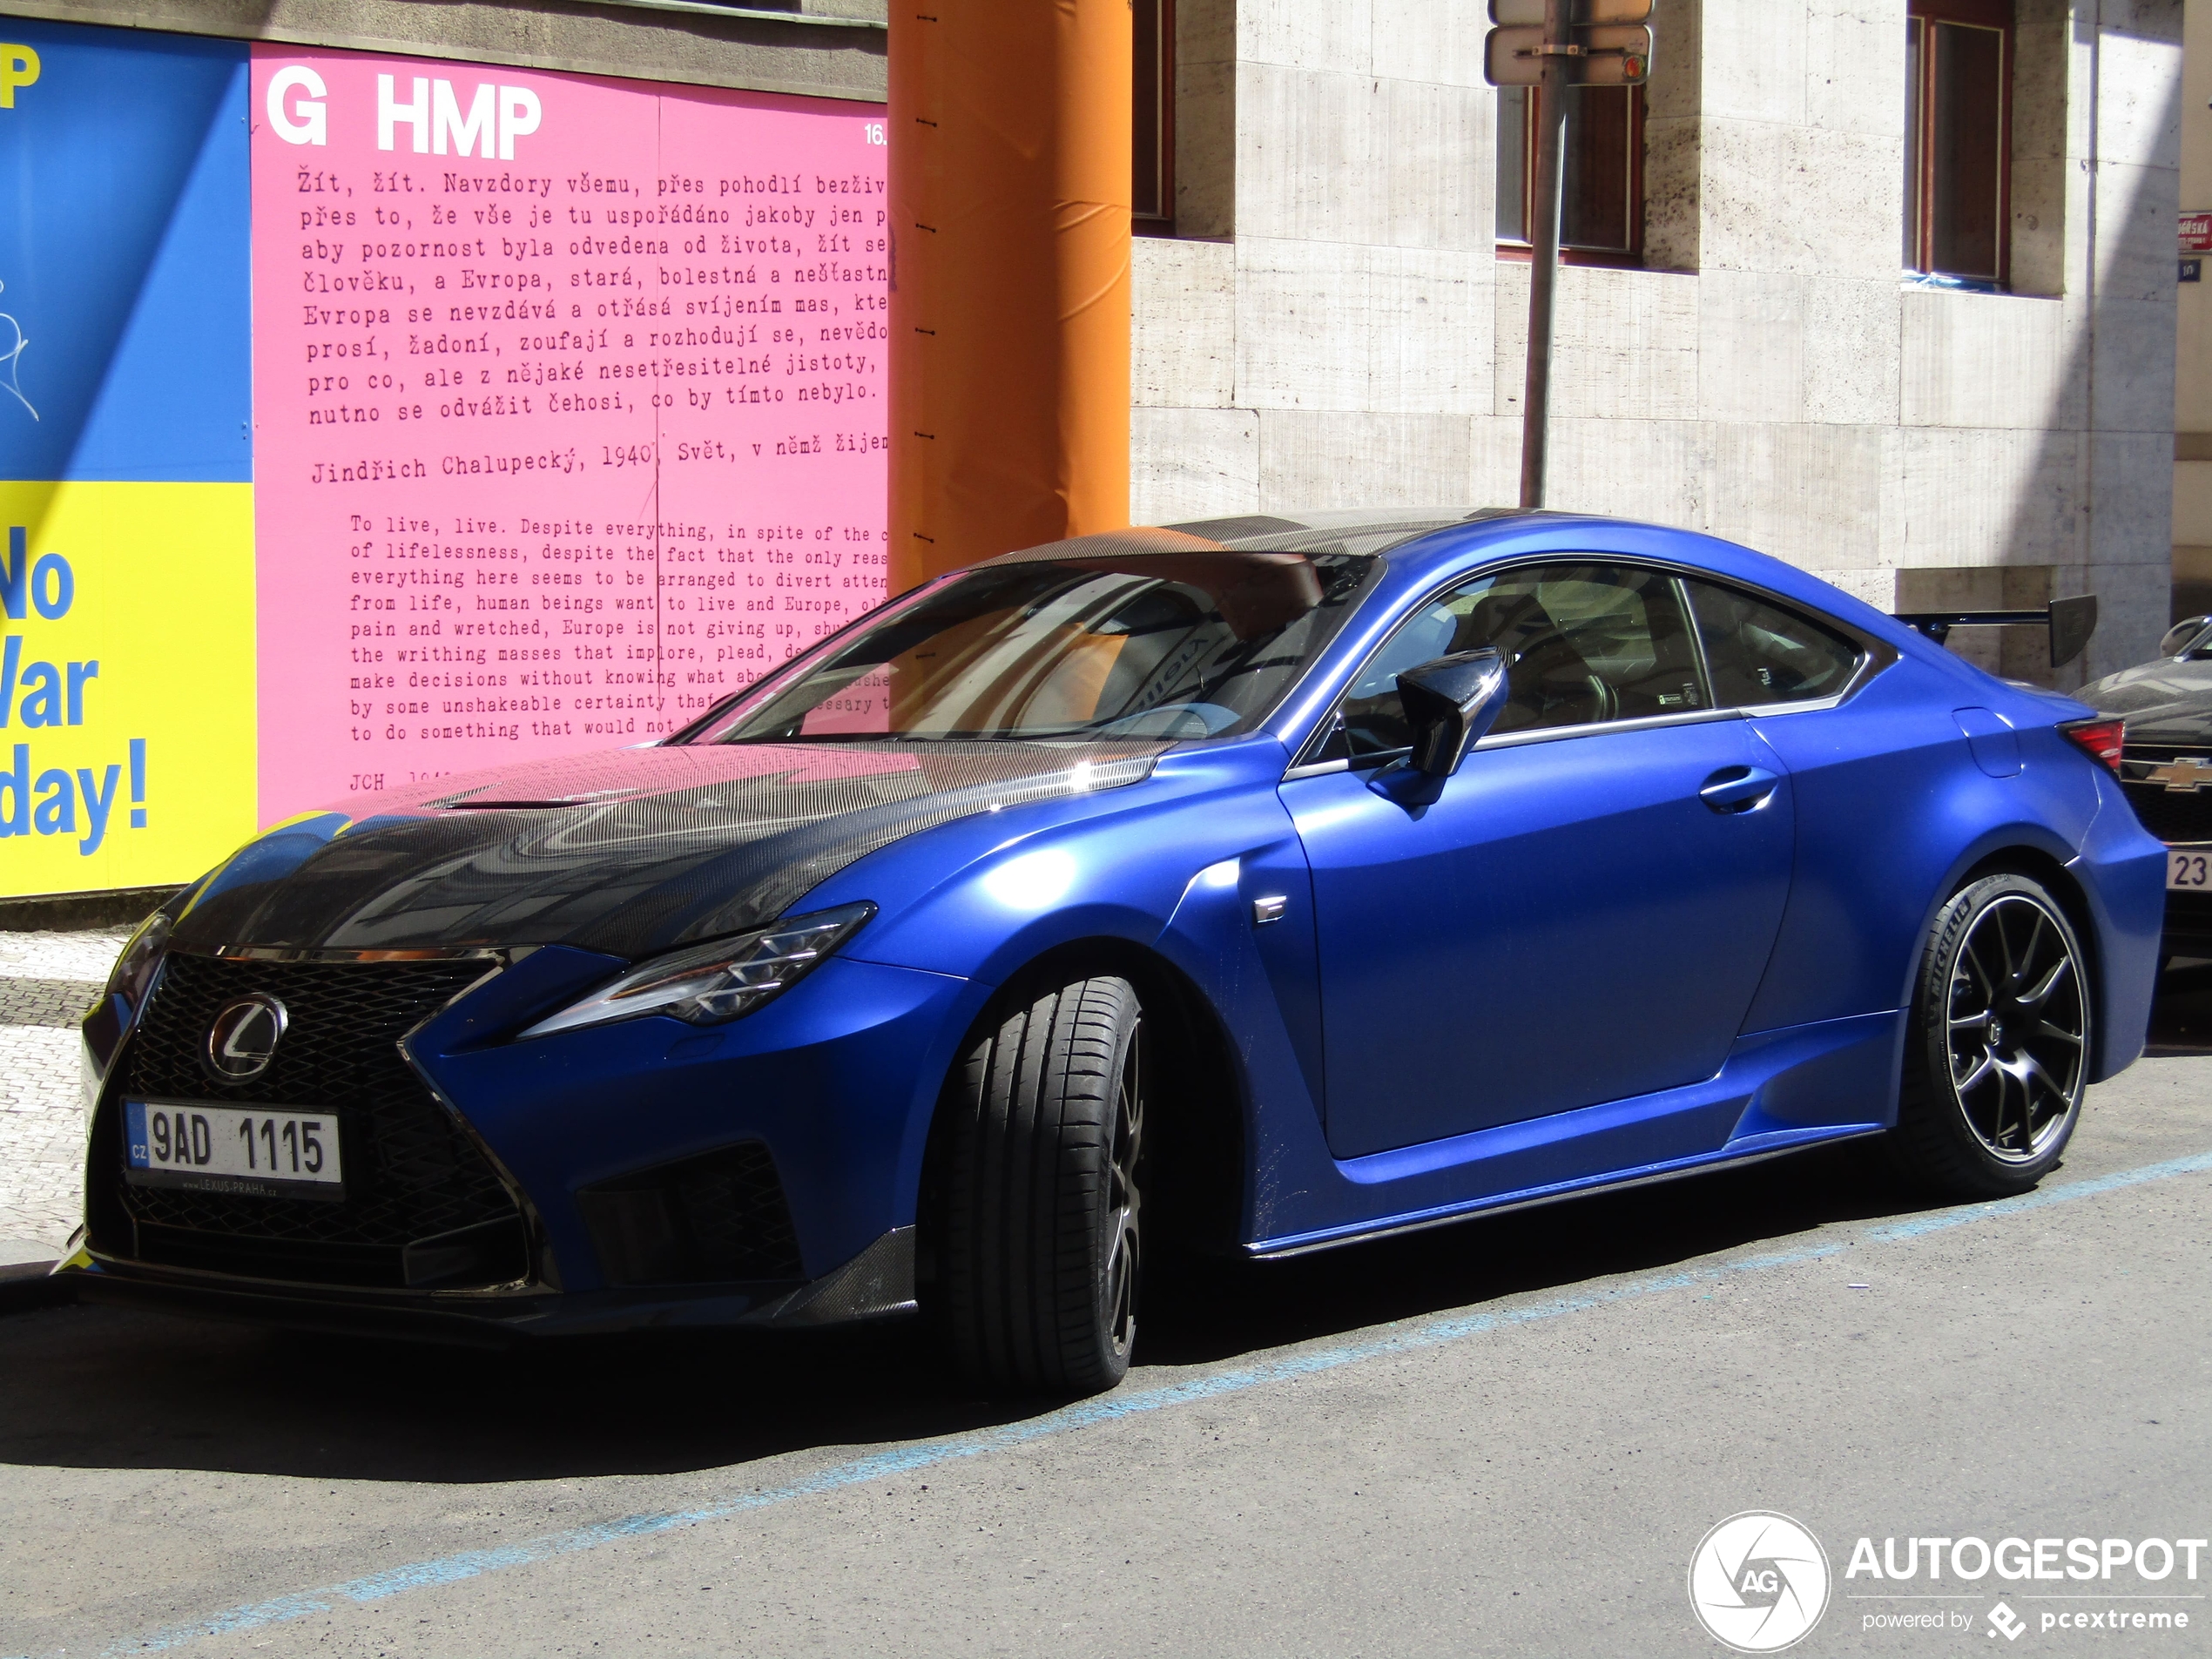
(1257, 885)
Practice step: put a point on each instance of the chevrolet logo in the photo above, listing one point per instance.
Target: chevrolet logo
(2184, 776)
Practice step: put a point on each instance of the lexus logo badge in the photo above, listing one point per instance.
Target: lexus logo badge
(244, 1038)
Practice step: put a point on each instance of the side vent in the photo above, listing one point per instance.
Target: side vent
(710, 1219)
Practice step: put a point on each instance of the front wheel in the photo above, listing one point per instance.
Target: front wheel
(1042, 1193)
(1998, 1055)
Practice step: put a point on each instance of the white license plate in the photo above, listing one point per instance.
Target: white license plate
(2188, 871)
(268, 1152)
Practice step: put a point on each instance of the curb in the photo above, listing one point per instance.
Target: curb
(123, 908)
(25, 1287)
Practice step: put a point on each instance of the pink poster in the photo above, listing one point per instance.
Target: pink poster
(570, 401)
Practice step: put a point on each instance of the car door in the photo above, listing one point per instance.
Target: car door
(1868, 773)
(1584, 913)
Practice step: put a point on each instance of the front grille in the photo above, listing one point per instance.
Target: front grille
(413, 1175)
(2172, 815)
(2188, 921)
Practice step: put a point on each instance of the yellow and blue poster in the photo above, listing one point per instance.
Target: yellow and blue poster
(127, 701)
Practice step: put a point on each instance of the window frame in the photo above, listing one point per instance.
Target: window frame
(1999, 17)
(1631, 257)
(1162, 222)
(1874, 656)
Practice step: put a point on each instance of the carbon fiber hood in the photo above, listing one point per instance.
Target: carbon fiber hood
(629, 852)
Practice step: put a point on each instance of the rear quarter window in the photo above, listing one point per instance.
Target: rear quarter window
(1761, 653)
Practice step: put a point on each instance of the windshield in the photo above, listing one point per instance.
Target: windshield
(1159, 646)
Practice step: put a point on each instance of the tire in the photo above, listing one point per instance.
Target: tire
(1043, 1165)
(1997, 1056)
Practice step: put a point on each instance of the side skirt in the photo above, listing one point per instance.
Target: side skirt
(1780, 1091)
(1446, 1215)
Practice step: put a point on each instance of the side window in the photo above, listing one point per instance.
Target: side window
(1583, 644)
(1760, 653)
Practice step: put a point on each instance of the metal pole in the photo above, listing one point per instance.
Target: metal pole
(1543, 272)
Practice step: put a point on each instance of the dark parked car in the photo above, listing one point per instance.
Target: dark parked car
(1271, 883)
(2166, 769)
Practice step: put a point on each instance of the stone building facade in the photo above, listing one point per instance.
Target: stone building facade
(1330, 318)
(2193, 344)
(1333, 322)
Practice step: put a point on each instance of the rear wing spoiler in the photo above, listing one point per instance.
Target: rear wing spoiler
(2071, 623)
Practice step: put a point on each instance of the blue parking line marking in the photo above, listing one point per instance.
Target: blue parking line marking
(1410, 1338)
(2041, 1198)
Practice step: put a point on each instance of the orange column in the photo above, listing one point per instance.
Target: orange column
(1009, 276)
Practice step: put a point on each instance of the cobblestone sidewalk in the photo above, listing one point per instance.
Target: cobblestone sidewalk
(46, 983)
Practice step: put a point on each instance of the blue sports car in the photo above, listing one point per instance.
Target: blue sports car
(1258, 885)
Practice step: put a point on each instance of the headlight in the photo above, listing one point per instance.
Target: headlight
(134, 972)
(710, 984)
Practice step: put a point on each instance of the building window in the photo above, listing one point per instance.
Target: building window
(1152, 154)
(1958, 139)
(1600, 219)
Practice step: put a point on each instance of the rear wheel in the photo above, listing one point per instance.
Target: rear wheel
(1997, 1057)
(1043, 1162)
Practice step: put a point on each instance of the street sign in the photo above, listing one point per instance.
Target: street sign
(1508, 13)
(2196, 232)
(1510, 58)
(1556, 45)
(1607, 55)
(1620, 55)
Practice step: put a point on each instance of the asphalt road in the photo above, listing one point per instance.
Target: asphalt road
(1504, 1437)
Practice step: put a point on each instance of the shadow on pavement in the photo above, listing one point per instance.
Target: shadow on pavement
(100, 1388)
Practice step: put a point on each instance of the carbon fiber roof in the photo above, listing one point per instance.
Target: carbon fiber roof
(1366, 532)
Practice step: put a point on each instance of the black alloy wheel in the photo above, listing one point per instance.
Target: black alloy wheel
(1039, 1227)
(1999, 1055)
(1118, 1231)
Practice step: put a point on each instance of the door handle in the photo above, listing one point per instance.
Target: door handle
(1739, 789)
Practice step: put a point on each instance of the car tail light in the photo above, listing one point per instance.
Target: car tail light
(2100, 739)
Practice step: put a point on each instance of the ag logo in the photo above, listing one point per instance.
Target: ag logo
(243, 1038)
(1758, 1582)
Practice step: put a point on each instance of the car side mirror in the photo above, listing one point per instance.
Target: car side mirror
(2181, 634)
(1450, 703)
